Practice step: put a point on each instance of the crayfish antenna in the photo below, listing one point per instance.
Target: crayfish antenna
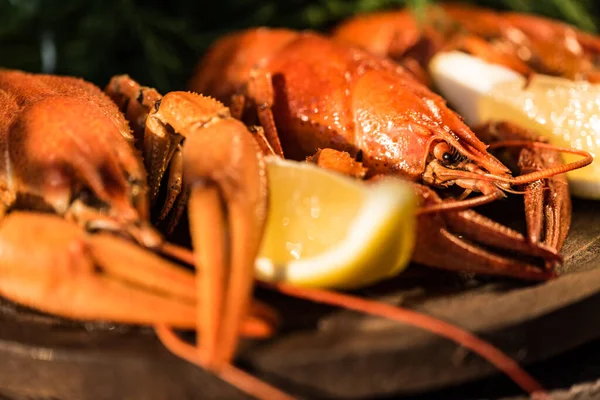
(526, 178)
(177, 252)
(230, 374)
(466, 339)
(461, 204)
(545, 173)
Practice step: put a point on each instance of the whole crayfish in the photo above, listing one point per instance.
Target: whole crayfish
(311, 95)
(524, 43)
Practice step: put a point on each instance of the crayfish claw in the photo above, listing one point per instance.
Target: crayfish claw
(66, 271)
(227, 213)
(70, 273)
(478, 228)
(468, 241)
(547, 201)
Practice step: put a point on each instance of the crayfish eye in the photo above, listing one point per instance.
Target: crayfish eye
(443, 153)
(157, 105)
(87, 197)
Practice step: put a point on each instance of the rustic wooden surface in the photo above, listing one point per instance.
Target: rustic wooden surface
(323, 352)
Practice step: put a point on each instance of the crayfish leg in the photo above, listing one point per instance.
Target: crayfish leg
(174, 182)
(237, 106)
(157, 142)
(547, 201)
(178, 210)
(261, 139)
(134, 101)
(260, 91)
(160, 143)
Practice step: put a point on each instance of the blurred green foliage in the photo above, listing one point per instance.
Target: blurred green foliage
(158, 42)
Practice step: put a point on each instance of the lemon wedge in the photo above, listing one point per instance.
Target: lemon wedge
(327, 230)
(564, 111)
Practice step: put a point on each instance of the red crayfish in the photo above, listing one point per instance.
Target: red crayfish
(315, 97)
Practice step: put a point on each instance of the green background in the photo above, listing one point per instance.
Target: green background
(158, 42)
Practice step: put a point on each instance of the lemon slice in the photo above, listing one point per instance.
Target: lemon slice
(327, 230)
(564, 111)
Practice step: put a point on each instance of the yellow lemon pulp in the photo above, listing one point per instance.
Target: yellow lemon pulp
(330, 231)
(565, 112)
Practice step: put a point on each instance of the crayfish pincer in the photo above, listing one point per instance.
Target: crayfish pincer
(311, 93)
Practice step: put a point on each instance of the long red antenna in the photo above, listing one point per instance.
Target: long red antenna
(484, 349)
(544, 173)
(460, 205)
(230, 374)
(433, 325)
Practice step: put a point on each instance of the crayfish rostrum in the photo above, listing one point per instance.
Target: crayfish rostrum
(311, 93)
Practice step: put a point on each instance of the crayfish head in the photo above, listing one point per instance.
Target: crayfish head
(448, 167)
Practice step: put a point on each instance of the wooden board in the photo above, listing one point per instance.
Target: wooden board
(323, 352)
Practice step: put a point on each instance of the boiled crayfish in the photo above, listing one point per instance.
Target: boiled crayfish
(71, 175)
(524, 43)
(310, 93)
